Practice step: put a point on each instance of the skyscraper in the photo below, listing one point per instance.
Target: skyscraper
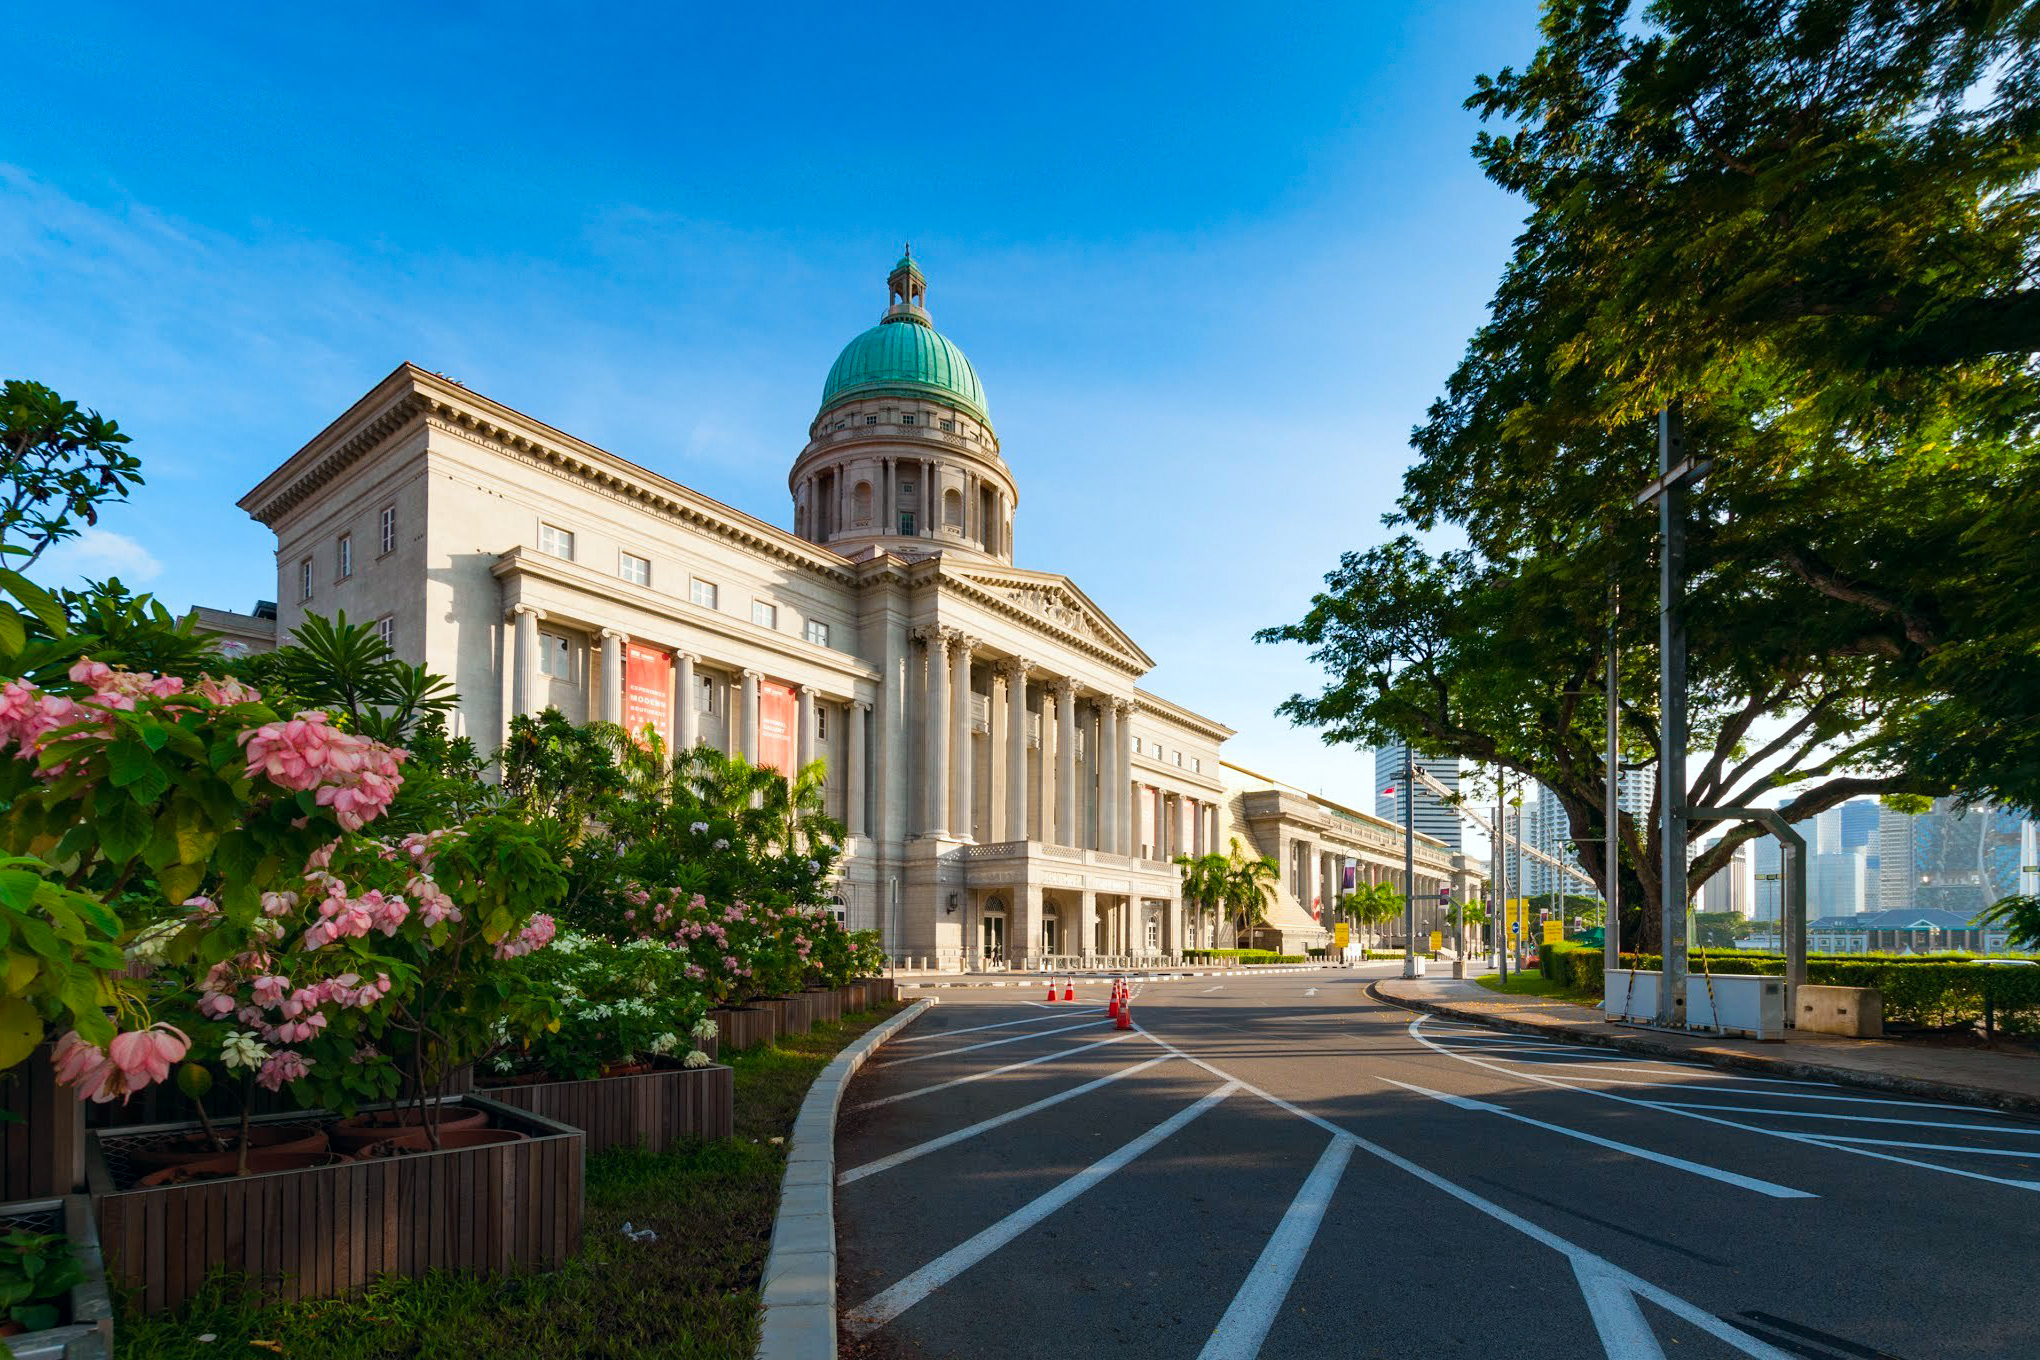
(1433, 817)
(1950, 858)
(1837, 884)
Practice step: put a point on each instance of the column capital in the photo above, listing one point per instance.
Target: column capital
(861, 705)
(963, 642)
(616, 633)
(682, 654)
(1016, 668)
(1064, 687)
(518, 610)
(807, 691)
(747, 673)
(1123, 707)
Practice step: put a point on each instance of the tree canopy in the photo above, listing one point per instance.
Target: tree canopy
(1810, 224)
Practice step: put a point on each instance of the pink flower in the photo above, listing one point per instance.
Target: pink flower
(537, 934)
(77, 1062)
(215, 1005)
(225, 692)
(133, 1060)
(282, 1066)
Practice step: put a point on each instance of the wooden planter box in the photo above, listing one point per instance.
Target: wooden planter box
(329, 1231)
(42, 1147)
(744, 1027)
(653, 1110)
(164, 1104)
(88, 1335)
(884, 991)
(792, 1014)
(825, 1006)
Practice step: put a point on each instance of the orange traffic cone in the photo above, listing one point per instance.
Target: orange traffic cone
(1051, 989)
(1069, 989)
(1126, 1013)
(1112, 1006)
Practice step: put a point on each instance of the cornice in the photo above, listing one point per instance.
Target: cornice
(1176, 713)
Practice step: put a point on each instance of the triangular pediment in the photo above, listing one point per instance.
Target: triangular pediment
(1054, 602)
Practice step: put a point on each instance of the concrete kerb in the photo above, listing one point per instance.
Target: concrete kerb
(799, 1293)
(1034, 980)
(1646, 1045)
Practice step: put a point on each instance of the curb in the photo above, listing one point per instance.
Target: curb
(798, 1297)
(1177, 975)
(2013, 1102)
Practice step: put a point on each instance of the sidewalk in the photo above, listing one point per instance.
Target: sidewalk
(934, 978)
(1999, 1080)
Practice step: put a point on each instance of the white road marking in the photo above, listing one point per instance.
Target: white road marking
(1219, 988)
(1607, 1273)
(1762, 1187)
(1850, 1118)
(1618, 1318)
(1310, 991)
(1933, 1147)
(1808, 1139)
(991, 1072)
(890, 1303)
(1244, 1327)
(974, 1029)
(887, 1163)
(993, 1043)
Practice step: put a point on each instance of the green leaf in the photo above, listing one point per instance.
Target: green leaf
(128, 761)
(18, 888)
(39, 601)
(13, 635)
(21, 1029)
(124, 829)
(180, 882)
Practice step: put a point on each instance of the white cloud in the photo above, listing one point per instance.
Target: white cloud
(94, 555)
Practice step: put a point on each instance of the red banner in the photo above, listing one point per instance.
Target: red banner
(648, 691)
(778, 711)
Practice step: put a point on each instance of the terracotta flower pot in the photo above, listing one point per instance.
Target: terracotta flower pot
(449, 1140)
(186, 1148)
(219, 1168)
(357, 1131)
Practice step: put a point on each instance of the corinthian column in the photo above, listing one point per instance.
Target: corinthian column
(1112, 786)
(747, 728)
(804, 743)
(961, 791)
(935, 732)
(1065, 761)
(1016, 749)
(1123, 757)
(854, 715)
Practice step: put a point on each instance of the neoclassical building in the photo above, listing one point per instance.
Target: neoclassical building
(1010, 791)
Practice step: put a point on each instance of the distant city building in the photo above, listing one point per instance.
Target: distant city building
(1433, 817)
(1951, 859)
(1546, 827)
(1729, 888)
(1838, 883)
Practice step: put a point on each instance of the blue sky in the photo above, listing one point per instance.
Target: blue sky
(1210, 263)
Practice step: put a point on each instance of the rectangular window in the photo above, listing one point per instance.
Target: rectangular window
(703, 593)
(907, 523)
(386, 629)
(821, 723)
(818, 632)
(634, 569)
(1136, 745)
(704, 694)
(1197, 765)
(305, 579)
(871, 420)
(389, 528)
(907, 418)
(556, 542)
(346, 556)
(906, 488)
(1179, 760)
(950, 426)
(553, 656)
(764, 615)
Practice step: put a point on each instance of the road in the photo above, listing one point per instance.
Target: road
(1281, 1166)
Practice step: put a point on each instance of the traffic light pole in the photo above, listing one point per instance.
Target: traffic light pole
(1409, 784)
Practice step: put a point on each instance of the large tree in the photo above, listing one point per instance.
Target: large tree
(1812, 227)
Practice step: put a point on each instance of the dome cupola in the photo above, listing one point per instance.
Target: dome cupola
(901, 455)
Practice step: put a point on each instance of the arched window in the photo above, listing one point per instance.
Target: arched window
(952, 508)
(860, 503)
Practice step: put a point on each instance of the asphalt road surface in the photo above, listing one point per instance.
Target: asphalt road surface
(1281, 1166)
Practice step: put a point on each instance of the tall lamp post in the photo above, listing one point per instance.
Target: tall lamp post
(1410, 967)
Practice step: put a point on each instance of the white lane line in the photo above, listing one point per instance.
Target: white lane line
(1715, 1173)
(990, 1072)
(1847, 1118)
(1806, 1138)
(1310, 991)
(994, 1043)
(1244, 1327)
(1933, 1147)
(891, 1302)
(1618, 1316)
(1701, 1089)
(975, 1029)
(1607, 1272)
(1219, 988)
(887, 1163)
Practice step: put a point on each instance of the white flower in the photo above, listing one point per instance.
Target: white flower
(152, 944)
(721, 844)
(705, 1028)
(664, 1044)
(239, 1050)
(814, 866)
(696, 1058)
(698, 827)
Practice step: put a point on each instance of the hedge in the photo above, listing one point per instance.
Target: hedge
(1917, 989)
(1239, 956)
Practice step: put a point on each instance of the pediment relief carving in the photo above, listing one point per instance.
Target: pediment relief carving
(1054, 604)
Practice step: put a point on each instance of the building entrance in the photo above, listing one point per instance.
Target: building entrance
(993, 934)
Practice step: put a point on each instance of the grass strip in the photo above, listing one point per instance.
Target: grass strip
(691, 1295)
(1536, 984)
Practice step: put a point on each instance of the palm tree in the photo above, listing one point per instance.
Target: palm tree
(1374, 905)
(1248, 884)
(1204, 885)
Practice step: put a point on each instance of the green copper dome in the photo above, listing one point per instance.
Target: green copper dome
(904, 355)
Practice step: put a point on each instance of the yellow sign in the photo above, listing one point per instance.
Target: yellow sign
(1554, 932)
(1516, 919)
(1437, 941)
(1342, 934)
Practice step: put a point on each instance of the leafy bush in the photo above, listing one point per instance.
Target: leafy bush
(1239, 956)
(613, 1004)
(36, 1270)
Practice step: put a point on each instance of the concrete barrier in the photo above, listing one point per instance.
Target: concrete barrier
(1857, 1012)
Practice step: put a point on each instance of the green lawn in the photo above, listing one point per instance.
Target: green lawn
(1535, 984)
(693, 1294)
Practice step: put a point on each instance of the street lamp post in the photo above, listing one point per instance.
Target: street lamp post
(1500, 877)
(1409, 784)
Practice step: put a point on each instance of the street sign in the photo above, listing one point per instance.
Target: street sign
(1445, 893)
(1437, 942)
(1342, 935)
(1554, 932)
(1515, 927)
